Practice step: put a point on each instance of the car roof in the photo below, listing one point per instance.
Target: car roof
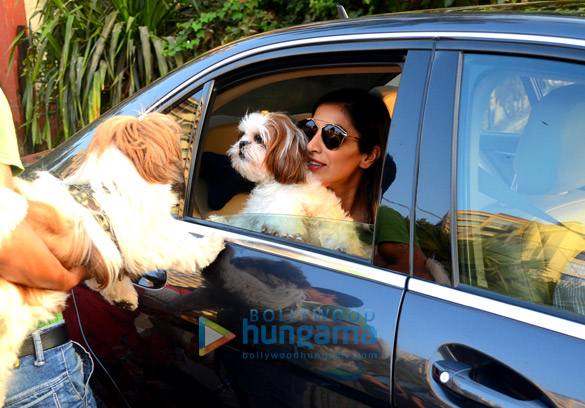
(551, 19)
(500, 20)
(501, 23)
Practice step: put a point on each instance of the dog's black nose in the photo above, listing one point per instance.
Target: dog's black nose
(243, 144)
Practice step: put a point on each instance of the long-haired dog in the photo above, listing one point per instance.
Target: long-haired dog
(129, 176)
(272, 152)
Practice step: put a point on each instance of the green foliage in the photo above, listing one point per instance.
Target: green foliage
(87, 56)
(215, 23)
(435, 242)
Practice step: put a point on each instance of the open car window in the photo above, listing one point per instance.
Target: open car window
(219, 193)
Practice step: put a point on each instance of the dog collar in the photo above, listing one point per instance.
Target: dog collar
(83, 194)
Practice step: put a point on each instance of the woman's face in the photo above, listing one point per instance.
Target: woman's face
(337, 169)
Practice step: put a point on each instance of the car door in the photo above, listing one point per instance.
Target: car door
(274, 295)
(499, 196)
(273, 321)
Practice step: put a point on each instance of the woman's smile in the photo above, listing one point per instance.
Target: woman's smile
(315, 165)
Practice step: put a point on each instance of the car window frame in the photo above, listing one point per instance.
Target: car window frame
(215, 87)
(335, 261)
(436, 133)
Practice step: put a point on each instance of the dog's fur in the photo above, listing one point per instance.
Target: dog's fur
(131, 166)
(272, 152)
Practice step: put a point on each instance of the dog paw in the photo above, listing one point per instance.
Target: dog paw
(213, 246)
(357, 249)
(121, 294)
(216, 242)
(125, 305)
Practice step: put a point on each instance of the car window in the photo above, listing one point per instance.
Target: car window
(521, 179)
(219, 192)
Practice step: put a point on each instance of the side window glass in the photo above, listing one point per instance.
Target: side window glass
(221, 192)
(521, 179)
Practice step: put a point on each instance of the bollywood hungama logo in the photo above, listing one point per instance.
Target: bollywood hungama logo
(313, 325)
(212, 335)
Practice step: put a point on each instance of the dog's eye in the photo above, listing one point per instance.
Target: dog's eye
(258, 139)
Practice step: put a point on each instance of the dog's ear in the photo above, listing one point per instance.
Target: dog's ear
(98, 269)
(151, 142)
(286, 154)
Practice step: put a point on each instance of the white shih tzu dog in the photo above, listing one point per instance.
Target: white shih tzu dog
(272, 152)
(128, 176)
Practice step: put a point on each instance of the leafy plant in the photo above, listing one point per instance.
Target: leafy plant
(213, 24)
(87, 56)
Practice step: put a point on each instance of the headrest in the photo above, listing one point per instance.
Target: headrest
(388, 95)
(550, 158)
(223, 181)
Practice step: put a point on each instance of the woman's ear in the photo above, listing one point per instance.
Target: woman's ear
(371, 157)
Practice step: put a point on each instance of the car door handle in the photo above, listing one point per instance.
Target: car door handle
(153, 280)
(456, 377)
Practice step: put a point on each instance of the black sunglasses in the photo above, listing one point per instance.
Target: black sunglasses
(332, 135)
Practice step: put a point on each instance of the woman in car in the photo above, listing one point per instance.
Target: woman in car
(347, 135)
(351, 126)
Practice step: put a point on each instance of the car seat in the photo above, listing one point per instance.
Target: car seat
(549, 168)
(388, 95)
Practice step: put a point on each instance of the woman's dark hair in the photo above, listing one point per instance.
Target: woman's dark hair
(369, 116)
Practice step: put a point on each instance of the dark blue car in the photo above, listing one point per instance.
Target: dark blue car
(487, 143)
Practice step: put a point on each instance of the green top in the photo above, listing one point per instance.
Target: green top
(56, 319)
(391, 226)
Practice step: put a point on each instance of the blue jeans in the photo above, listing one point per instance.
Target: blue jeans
(58, 377)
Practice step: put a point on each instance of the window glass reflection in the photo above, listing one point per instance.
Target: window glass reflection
(521, 179)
